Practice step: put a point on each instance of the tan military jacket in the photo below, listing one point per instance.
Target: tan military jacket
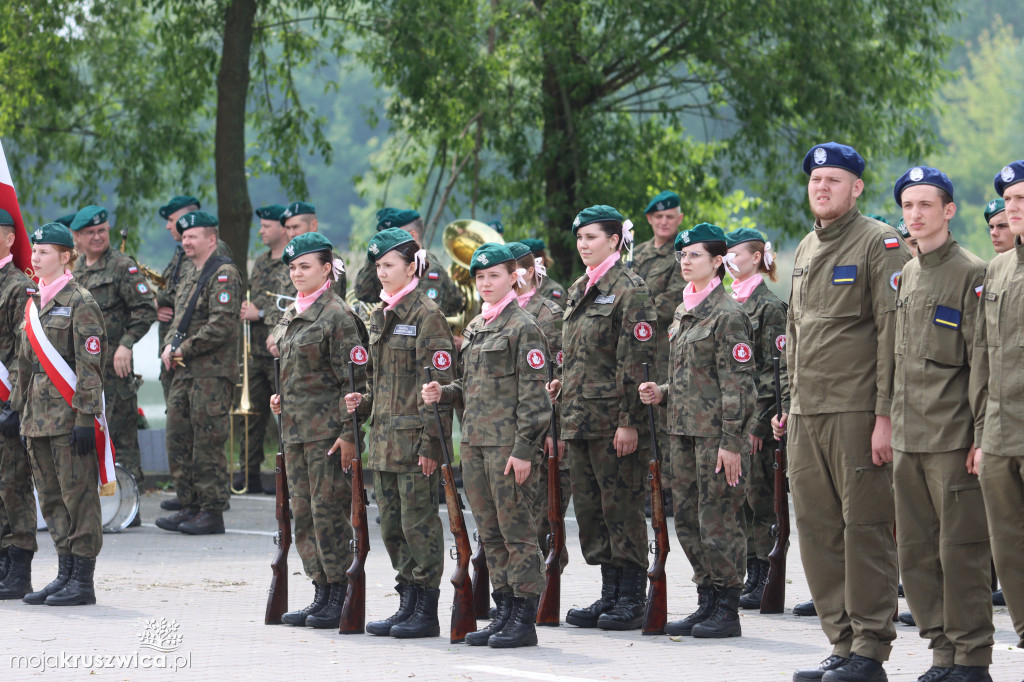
(661, 273)
(73, 323)
(210, 348)
(15, 288)
(402, 342)
(937, 307)
(122, 293)
(767, 315)
(841, 325)
(316, 346)
(501, 384)
(711, 391)
(549, 288)
(174, 274)
(607, 334)
(268, 274)
(999, 425)
(435, 283)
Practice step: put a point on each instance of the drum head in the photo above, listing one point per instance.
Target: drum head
(118, 510)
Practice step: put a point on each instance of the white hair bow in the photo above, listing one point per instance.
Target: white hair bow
(627, 237)
(421, 261)
(338, 269)
(728, 259)
(768, 257)
(521, 277)
(538, 267)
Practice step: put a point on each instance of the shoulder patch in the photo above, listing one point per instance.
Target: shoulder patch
(142, 288)
(946, 317)
(132, 269)
(559, 358)
(891, 242)
(741, 352)
(222, 278)
(358, 355)
(224, 297)
(894, 280)
(978, 289)
(556, 293)
(441, 360)
(92, 345)
(643, 331)
(535, 358)
(780, 342)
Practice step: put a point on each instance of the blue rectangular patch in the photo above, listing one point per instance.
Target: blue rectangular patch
(946, 317)
(844, 274)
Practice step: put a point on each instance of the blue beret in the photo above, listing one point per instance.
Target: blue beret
(489, 255)
(596, 214)
(705, 232)
(53, 233)
(306, 243)
(271, 212)
(536, 245)
(519, 249)
(177, 203)
(387, 239)
(195, 219)
(994, 207)
(6, 218)
(662, 202)
(393, 217)
(834, 155)
(88, 217)
(741, 235)
(1010, 175)
(922, 175)
(297, 208)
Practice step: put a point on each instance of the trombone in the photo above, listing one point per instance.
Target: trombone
(244, 410)
(279, 297)
(461, 238)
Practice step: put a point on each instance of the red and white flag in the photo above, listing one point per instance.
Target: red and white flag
(22, 249)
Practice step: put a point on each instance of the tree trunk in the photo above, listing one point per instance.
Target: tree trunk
(233, 203)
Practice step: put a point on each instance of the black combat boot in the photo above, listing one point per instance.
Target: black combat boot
(815, 674)
(969, 673)
(330, 615)
(998, 599)
(65, 563)
(907, 618)
(521, 627)
(587, 618)
(936, 674)
(857, 669)
(724, 621)
(18, 581)
(172, 504)
(628, 611)
(79, 589)
(805, 608)
(752, 599)
(174, 521)
(423, 621)
(705, 605)
(501, 616)
(204, 523)
(753, 575)
(3, 564)
(298, 618)
(406, 605)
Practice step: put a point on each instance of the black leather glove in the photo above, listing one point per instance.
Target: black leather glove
(83, 438)
(10, 423)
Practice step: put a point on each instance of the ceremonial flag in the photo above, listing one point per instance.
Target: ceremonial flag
(22, 249)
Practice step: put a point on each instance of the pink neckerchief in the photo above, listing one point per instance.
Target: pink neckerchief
(48, 291)
(693, 298)
(394, 299)
(594, 274)
(303, 302)
(743, 288)
(6, 260)
(524, 299)
(495, 310)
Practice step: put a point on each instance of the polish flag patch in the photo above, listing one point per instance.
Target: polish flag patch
(535, 358)
(741, 352)
(559, 357)
(222, 278)
(441, 360)
(433, 275)
(556, 294)
(891, 243)
(643, 331)
(358, 355)
(92, 344)
(132, 269)
(978, 289)
(780, 342)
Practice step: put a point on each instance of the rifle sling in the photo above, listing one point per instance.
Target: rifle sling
(208, 269)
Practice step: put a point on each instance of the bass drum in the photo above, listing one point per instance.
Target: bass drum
(118, 510)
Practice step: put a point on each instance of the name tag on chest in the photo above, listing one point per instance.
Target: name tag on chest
(844, 274)
(405, 329)
(605, 299)
(60, 310)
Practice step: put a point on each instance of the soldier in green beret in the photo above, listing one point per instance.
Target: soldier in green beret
(66, 220)
(998, 226)
(505, 420)
(299, 217)
(547, 287)
(129, 310)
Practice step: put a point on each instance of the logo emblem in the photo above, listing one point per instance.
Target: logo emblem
(374, 249)
(92, 344)
(643, 331)
(358, 355)
(992, 205)
(431, 293)
(559, 358)
(820, 155)
(161, 635)
(1006, 174)
(142, 288)
(686, 237)
(535, 358)
(224, 297)
(741, 352)
(182, 222)
(442, 360)
(290, 250)
(660, 206)
(482, 259)
(894, 281)
(576, 223)
(916, 174)
(96, 219)
(38, 234)
(780, 342)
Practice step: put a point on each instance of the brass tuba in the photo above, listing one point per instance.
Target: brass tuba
(461, 238)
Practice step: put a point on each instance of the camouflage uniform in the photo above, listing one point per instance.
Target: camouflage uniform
(403, 341)
(710, 396)
(17, 504)
(201, 391)
(129, 310)
(501, 389)
(942, 534)
(767, 315)
(68, 484)
(316, 346)
(608, 332)
(550, 289)
(435, 284)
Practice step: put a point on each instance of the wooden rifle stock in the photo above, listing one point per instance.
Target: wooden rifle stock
(656, 613)
(277, 598)
(463, 616)
(353, 611)
(774, 598)
(481, 580)
(549, 607)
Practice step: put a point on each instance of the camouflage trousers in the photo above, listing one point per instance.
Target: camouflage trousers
(503, 513)
(708, 513)
(540, 509)
(759, 509)
(123, 418)
(261, 387)
(1002, 482)
(411, 526)
(17, 504)
(197, 429)
(321, 506)
(608, 495)
(68, 486)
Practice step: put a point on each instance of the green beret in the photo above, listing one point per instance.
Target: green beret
(994, 207)
(271, 212)
(596, 214)
(497, 226)
(901, 227)
(53, 233)
(66, 220)
(394, 217)
(196, 219)
(518, 249)
(663, 202)
(297, 208)
(879, 218)
(536, 245)
(88, 217)
(740, 235)
(489, 255)
(177, 203)
(705, 232)
(6, 219)
(387, 239)
(306, 243)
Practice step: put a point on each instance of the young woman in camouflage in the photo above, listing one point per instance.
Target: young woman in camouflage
(507, 411)
(609, 330)
(316, 338)
(407, 333)
(710, 399)
(60, 437)
(752, 260)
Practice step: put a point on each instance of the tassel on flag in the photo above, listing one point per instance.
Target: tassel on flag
(22, 249)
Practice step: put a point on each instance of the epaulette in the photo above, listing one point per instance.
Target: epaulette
(552, 306)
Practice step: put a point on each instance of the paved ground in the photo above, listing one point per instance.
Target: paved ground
(214, 590)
